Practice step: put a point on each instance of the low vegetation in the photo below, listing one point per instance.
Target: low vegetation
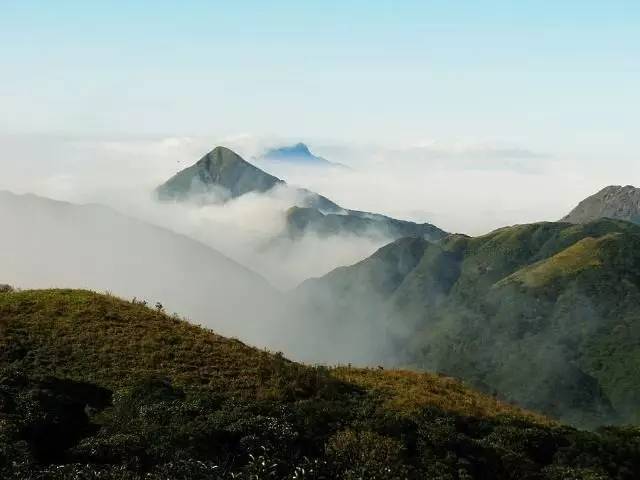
(93, 387)
(544, 315)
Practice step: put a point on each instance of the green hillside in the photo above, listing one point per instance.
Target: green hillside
(95, 387)
(546, 315)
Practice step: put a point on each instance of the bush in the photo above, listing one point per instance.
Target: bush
(367, 455)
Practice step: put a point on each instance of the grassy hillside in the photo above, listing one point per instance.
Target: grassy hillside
(546, 315)
(95, 387)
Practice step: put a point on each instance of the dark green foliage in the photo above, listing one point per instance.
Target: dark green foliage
(544, 315)
(250, 415)
(154, 430)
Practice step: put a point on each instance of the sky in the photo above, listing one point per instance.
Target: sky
(553, 83)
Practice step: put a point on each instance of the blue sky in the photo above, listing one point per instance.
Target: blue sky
(547, 75)
(519, 108)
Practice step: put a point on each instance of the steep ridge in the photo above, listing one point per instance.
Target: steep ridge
(614, 201)
(301, 220)
(95, 387)
(544, 314)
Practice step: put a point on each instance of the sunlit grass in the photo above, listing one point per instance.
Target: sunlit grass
(85, 336)
(408, 392)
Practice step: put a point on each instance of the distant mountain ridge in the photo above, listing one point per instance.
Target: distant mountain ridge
(614, 201)
(301, 220)
(222, 174)
(298, 154)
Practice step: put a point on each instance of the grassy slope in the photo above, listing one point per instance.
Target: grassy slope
(85, 336)
(223, 410)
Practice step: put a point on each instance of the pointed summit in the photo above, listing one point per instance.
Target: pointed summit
(298, 154)
(297, 149)
(221, 172)
(614, 201)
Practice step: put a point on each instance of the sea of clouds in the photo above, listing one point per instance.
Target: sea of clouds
(468, 188)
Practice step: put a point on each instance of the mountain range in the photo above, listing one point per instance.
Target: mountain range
(545, 314)
(222, 174)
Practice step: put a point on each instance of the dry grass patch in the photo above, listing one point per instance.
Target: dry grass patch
(407, 392)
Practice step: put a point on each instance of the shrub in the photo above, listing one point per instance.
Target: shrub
(367, 455)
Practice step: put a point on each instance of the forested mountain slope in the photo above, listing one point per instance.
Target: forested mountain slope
(547, 314)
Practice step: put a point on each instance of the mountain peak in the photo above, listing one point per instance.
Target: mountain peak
(614, 201)
(222, 150)
(220, 172)
(223, 157)
(299, 149)
(298, 153)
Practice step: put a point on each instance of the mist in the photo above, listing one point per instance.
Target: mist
(466, 187)
(228, 266)
(123, 175)
(51, 244)
(224, 266)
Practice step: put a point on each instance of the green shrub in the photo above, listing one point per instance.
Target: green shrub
(368, 455)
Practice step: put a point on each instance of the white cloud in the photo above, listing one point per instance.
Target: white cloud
(469, 187)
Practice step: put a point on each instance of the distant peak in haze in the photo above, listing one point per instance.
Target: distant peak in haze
(297, 149)
(298, 154)
(615, 201)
